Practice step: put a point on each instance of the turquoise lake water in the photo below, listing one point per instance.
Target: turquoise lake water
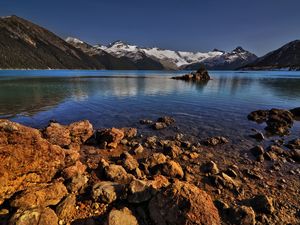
(122, 98)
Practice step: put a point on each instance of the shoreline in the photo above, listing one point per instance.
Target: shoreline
(119, 170)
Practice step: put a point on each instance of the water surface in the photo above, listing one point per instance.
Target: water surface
(122, 98)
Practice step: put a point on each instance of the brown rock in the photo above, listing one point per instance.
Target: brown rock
(129, 163)
(58, 135)
(210, 167)
(262, 204)
(26, 158)
(158, 182)
(67, 208)
(156, 159)
(172, 150)
(77, 183)
(159, 126)
(216, 141)
(37, 216)
(129, 132)
(139, 191)
(81, 131)
(167, 120)
(109, 137)
(40, 196)
(106, 191)
(121, 217)
(63, 136)
(75, 170)
(183, 203)
(172, 169)
(118, 174)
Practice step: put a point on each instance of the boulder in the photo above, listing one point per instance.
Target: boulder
(77, 183)
(109, 137)
(183, 203)
(156, 159)
(75, 170)
(58, 134)
(121, 217)
(106, 191)
(278, 121)
(210, 167)
(37, 216)
(117, 173)
(80, 131)
(172, 150)
(67, 208)
(262, 204)
(172, 169)
(41, 196)
(139, 191)
(26, 158)
(76, 133)
(242, 215)
(129, 132)
(129, 162)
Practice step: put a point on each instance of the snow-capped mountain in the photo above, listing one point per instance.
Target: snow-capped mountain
(171, 59)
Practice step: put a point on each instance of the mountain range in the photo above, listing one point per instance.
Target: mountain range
(25, 45)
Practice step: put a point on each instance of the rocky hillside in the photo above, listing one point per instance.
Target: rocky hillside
(28, 46)
(286, 57)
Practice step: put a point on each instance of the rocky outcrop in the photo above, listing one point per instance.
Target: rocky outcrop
(201, 75)
(42, 196)
(183, 203)
(26, 158)
(278, 121)
(76, 133)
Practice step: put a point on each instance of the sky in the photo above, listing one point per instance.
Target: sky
(192, 25)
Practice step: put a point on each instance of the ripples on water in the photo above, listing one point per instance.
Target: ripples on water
(122, 98)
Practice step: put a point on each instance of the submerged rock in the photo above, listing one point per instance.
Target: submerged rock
(213, 141)
(278, 121)
(200, 75)
(183, 203)
(26, 158)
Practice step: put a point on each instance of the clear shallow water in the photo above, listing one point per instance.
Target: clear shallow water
(122, 98)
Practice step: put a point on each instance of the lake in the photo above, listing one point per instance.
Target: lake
(122, 98)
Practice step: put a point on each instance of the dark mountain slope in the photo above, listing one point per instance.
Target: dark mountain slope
(287, 57)
(24, 45)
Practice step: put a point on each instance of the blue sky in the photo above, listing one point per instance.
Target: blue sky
(195, 25)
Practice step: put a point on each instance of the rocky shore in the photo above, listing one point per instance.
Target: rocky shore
(75, 174)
